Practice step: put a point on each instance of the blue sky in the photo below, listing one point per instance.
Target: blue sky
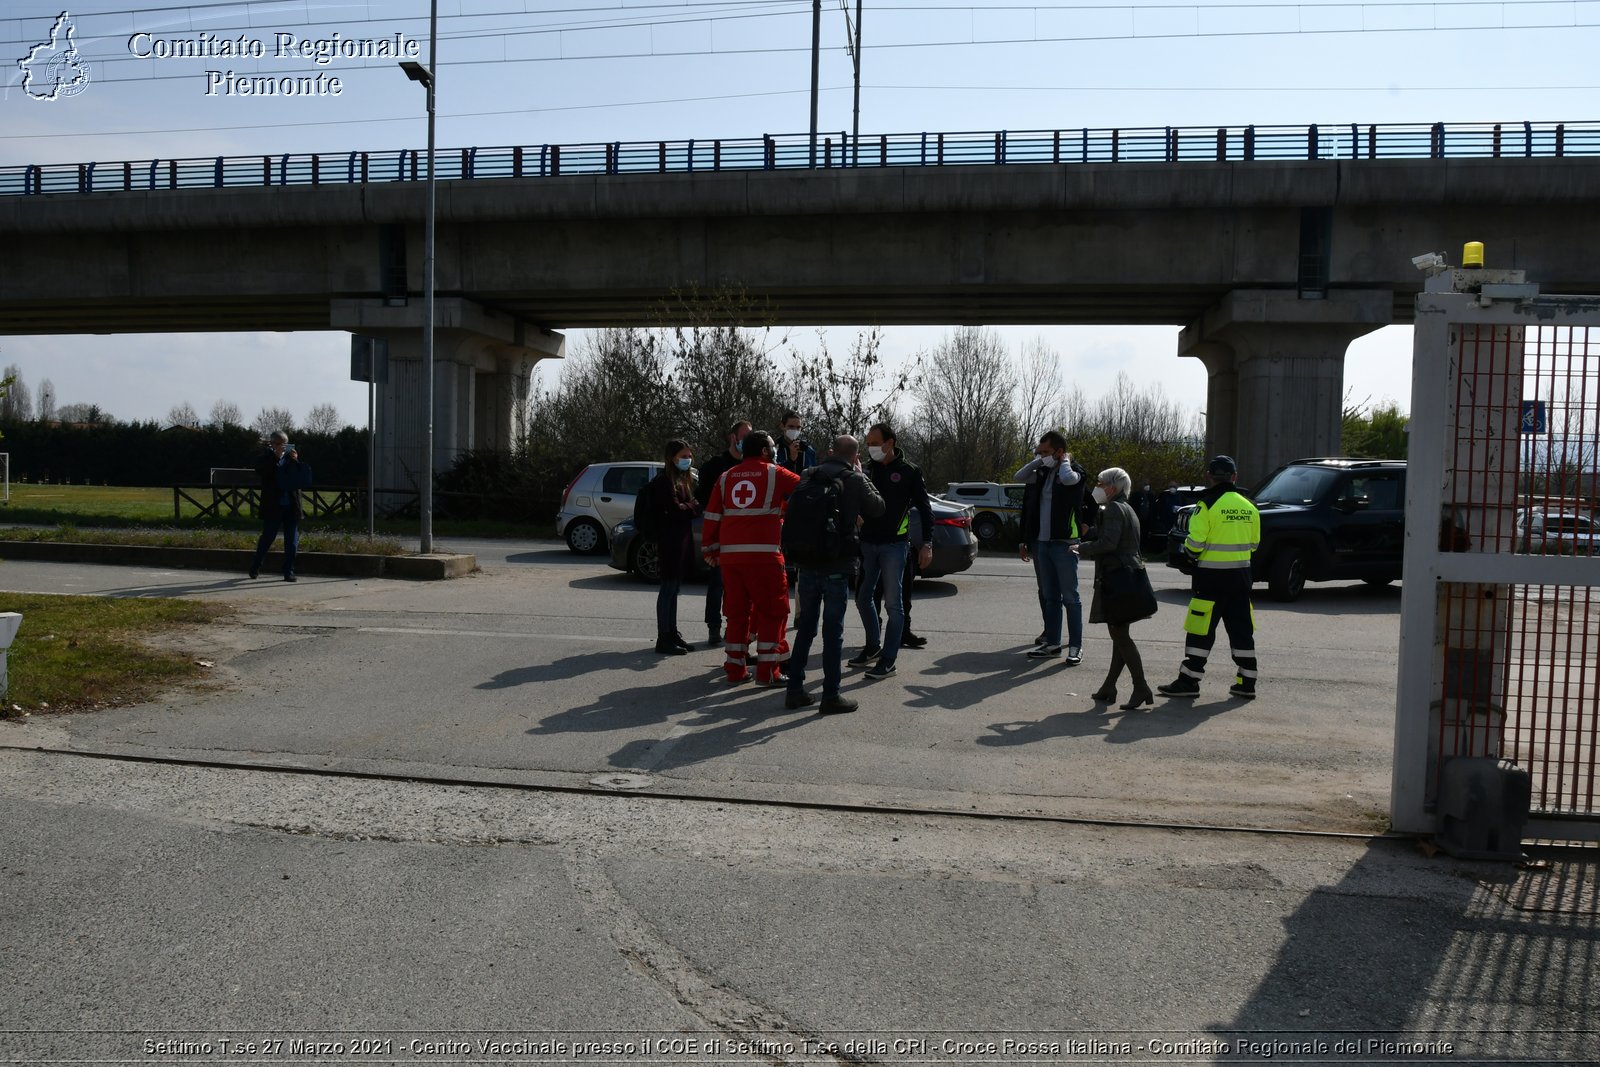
(571, 71)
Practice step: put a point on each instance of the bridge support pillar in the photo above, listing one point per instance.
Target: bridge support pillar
(1276, 371)
(482, 361)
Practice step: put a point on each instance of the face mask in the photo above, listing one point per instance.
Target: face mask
(1100, 495)
(683, 464)
(1048, 461)
(875, 453)
(793, 435)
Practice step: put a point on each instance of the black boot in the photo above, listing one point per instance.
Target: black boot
(683, 645)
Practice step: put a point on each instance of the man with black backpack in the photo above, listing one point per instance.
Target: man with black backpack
(819, 539)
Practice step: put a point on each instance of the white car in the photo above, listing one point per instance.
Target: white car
(598, 499)
(994, 505)
(1557, 533)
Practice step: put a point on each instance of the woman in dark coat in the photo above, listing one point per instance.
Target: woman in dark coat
(1115, 546)
(675, 506)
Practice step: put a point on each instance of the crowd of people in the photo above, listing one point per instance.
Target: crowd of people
(774, 515)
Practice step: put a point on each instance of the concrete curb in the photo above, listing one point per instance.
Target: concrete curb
(338, 564)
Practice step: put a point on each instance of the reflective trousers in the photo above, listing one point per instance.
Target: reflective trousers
(755, 598)
(1220, 598)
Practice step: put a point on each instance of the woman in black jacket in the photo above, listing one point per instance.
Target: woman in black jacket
(1116, 546)
(674, 505)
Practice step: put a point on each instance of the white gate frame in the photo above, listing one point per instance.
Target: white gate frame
(1460, 298)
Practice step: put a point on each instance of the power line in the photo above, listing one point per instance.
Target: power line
(970, 42)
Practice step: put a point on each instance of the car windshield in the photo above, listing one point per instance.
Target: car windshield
(1567, 524)
(1297, 485)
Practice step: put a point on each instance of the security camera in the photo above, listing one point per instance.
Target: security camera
(1429, 262)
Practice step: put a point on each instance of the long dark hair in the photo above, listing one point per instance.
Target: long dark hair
(682, 479)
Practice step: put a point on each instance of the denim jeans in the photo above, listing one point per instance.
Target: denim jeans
(667, 607)
(883, 564)
(1056, 567)
(269, 533)
(821, 595)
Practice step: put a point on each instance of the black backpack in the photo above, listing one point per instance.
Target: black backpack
(813, 529)
(646, 519)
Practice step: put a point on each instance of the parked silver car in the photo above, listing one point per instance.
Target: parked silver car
(599, 498)
(1551, 533)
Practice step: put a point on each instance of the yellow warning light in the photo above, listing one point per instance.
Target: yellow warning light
(1472, 254)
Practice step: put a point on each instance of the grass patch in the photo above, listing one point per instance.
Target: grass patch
(81, 651)
(311, 539)
(133, 507)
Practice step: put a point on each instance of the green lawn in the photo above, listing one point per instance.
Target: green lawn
(82, 651)
(129, 506)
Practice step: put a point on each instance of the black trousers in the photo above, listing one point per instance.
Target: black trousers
(1220, 598)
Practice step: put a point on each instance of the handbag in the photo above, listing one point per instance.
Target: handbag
(1126, 596)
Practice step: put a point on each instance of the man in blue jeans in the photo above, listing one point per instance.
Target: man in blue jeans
(278, 467)
(824, 583)
(1054, 489)
(884, 544)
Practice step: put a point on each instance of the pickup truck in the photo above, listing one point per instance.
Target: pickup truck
(1323, 520)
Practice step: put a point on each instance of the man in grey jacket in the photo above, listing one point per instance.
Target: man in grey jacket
(824, 583)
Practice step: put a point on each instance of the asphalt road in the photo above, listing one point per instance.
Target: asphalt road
(541, 669)
(154, 912)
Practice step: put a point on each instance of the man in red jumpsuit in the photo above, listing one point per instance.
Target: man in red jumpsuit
(742, 534)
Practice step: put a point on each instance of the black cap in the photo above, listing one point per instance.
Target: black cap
(1222, 465)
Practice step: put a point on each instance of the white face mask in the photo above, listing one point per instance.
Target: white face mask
(793, 435)
(1048, 461)
(1100, 496)
(875, 453)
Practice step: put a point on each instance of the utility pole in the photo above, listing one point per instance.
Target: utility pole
(855, 124)
(816, 68)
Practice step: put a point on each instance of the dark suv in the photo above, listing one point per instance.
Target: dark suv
(1324, 520)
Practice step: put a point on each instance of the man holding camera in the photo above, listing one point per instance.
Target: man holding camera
(795, 453)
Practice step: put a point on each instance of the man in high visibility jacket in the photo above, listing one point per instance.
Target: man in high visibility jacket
(742, 536)
(1224, 532)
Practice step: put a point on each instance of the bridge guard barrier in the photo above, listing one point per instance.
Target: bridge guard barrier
(1500, 628)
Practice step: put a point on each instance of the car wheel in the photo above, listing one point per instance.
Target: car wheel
(647, 560)
(986, 528)
(1288, 577)
(585, 537)
(1378, 583)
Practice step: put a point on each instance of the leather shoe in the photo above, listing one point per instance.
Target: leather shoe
(798, 698)
(1138, 697)
(910, 640)
(1106, 695)
(837, 705)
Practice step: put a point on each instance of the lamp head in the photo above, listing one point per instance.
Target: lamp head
(417, 72)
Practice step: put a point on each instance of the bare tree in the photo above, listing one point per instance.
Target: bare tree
(968, 423)
(17, 404)
(723, 371)
(183, 414)
(225, 413)
(270, 420)
(47, 400)
(323, 419)
(87, 414)
(1039, 388)
(847, 396)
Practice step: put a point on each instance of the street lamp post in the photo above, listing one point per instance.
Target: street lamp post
(426, 75)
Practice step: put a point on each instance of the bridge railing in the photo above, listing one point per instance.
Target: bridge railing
(1162, 144)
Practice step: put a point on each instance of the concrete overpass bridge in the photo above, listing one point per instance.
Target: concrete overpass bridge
(1273, 248)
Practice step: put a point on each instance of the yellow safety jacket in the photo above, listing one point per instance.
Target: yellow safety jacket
(1224, 533)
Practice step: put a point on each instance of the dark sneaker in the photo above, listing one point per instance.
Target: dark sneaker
(911, 640)
(866, 656)
(1184, 686)
(1240, 689)
(1040, 639)
(715, 638)
(1044, 651)
(880, 670)
(290, 578)
(255, 572)
(837, 705)
(798, 698)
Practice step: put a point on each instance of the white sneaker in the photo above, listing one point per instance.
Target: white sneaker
(1074, 655)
